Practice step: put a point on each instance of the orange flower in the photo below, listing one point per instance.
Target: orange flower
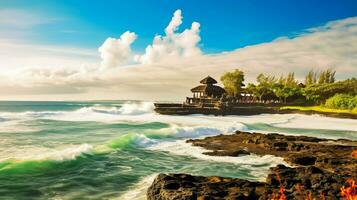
(280, 195)
(354, 153)
(349, 193)
(309, 196)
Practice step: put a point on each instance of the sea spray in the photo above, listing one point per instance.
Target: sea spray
(135, 109)
(131, 140)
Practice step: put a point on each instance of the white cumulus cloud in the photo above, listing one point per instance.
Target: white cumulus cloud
(175, 22)
(173, 45)
(115, 52)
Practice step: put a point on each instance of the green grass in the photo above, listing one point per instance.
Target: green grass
(318, 109)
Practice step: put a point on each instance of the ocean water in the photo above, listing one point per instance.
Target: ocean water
(114, 149)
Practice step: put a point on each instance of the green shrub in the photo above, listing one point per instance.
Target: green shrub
(320, 92)
(342, 101)
(355, 110)
(302, 102)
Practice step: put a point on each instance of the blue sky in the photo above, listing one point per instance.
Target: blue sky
(157, 50)
(226, 25)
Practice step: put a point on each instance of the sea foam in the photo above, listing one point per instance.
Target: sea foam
(138, 191)
(69, 153)
(318, 122)
(258, 164)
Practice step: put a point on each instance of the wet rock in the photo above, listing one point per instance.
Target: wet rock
(334, 155)
(296, 182)
(203, 188)
(321, 168)
(280, 146)
(304, 160)
(236, 153)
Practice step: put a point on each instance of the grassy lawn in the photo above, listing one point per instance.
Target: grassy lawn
(319, 109)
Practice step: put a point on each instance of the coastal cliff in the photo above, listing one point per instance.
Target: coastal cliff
(320, 168)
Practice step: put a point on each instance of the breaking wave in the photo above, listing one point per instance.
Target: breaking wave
(68, 153)
(152, 137)
(96, 112)
(44, 160)
(146, 139)
(131, 140)
(136, 108)
(124, 109)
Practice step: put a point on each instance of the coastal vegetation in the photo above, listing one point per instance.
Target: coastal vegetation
(319, 92)
(342, 101)
(233, 82)
(318, 108)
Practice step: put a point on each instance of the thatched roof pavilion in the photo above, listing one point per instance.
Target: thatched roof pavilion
(207, 89)
(208, 80)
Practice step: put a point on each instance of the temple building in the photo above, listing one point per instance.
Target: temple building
(207, 94)
(208, 89)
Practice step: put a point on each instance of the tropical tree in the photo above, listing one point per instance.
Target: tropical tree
(286, 92)
(311, 78)
(258, 91)
(233, 82)
(322, 77)
(286, 87)
(290, 80)
(264, 88)
(327, 76)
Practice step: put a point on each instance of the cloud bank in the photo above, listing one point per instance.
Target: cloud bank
(174, 63)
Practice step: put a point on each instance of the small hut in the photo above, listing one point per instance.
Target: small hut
(207, 89)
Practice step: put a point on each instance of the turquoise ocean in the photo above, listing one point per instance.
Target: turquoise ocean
(114, 149)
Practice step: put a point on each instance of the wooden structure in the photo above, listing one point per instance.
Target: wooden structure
(208, 89)
(209, 98)
(205, 95)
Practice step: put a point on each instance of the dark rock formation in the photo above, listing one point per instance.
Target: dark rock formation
(198, 187)
(334, 155)
(298, 183)
(321, 168)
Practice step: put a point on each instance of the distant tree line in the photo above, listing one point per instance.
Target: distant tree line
(316, 89)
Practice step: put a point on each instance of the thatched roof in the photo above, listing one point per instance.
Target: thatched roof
(209, 89)
(301, 85)
(208, 80)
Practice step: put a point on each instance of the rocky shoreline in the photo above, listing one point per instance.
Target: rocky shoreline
(319, 168)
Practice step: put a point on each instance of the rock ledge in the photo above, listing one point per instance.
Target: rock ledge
(321, 168)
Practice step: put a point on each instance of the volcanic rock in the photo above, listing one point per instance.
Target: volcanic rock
(320, 168)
